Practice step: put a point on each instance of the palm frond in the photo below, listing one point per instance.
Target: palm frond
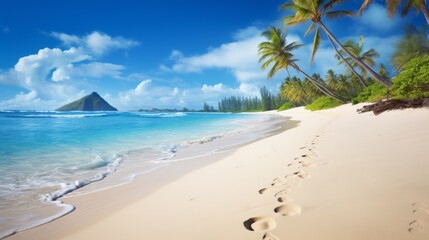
(364, 6)
(330, 4)
(316, 42)
(310, 29)
(339, 13)
(392, 7)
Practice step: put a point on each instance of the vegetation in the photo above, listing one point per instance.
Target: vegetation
(373, 93)
(414, 43)
(359, 83)
(323, 103)
(91, 102)
(286, 106)
(313, 11)
(278, 53)
(266, 102)
(413, 81)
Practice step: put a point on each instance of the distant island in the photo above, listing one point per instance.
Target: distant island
(91, 102)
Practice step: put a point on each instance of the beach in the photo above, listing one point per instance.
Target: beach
(332, 174)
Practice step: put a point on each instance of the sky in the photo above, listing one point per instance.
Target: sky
(160, 53)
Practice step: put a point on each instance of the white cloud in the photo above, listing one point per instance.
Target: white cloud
(148, 95)
(376, 18)
(175, 54)
(141, 88)
(53, 76)
(96, 42)
(248, 32)
(87, 70)
(240, 57)
(213, 88)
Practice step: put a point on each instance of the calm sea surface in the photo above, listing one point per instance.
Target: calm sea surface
(45, 155)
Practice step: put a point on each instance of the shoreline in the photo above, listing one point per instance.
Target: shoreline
(338, 174)
(198, 152)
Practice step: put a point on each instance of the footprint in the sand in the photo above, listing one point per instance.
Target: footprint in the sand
(270, 236)
(278, 182)
(288, 209)
(260, 224)
(276, 188)
(301, 174)
(421, 222)
(416, 227)
(282, 196)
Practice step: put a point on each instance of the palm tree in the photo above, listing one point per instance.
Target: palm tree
(277, 52)
(392, 7)
(339, 56)
(343, 85)
(414, 43)
(331, 79)
(305, 10)
(293, 90)
(358, 51)
(382, 70)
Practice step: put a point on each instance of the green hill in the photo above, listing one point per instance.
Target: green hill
(91, 102)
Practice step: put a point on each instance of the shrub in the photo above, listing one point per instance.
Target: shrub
(324, 102)
(413, 81)
(372, 93)
(286, 106)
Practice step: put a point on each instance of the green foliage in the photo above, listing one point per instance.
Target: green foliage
(266, 102)
(414, 43)
(324, 102)
(372, 93)
(413, 81)
(287, 105)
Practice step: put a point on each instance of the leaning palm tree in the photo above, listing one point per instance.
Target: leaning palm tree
(392, 7)
(357, 50)
(277, 53)
(339, 56)
(306, 10)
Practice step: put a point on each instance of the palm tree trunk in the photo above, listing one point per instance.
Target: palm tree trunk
(319, 85)
(425, 10)
(387, 83)
(348, 64)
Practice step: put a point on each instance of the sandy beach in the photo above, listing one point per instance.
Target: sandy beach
(335, 175)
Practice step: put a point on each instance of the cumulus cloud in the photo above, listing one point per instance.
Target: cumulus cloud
(213, 88)
(241, 58)
(52, 75)
(96, 42)
(147, 95)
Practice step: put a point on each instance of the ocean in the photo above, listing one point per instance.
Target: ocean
(45, 155)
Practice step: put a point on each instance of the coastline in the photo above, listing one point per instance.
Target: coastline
(155, 171)
(337, 175)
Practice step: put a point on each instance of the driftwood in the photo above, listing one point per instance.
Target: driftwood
(391, 104)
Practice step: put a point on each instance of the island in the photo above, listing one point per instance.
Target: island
(91, 102)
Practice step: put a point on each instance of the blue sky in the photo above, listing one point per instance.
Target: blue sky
(165, 54)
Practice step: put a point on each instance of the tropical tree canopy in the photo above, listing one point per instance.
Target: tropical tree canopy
(313, 11)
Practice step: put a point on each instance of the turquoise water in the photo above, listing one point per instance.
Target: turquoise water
(45, 155)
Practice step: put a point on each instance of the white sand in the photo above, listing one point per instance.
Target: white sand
(338, 175)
